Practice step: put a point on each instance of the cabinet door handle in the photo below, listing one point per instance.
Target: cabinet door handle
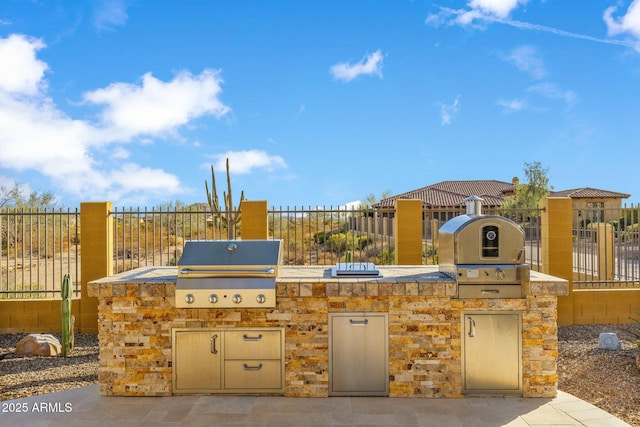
(249, 338)
(359, 322)
(472, 327)
(213, 344)
(251, 368)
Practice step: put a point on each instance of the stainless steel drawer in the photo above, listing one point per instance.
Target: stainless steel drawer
(253, 344)
(253, 374)
(489, 291)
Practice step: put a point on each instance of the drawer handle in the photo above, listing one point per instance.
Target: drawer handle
(213, 344)
(248, 338)
(490, 291)
(359, 322)
(252, 368)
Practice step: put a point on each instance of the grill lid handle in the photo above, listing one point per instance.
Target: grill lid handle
(187, 271)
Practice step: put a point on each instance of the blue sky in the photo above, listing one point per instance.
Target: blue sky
(314, 102)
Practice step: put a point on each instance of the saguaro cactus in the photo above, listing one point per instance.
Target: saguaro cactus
(229, 218)
(67, 317)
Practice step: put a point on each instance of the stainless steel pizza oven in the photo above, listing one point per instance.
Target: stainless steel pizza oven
(484, 254)
(228, 273)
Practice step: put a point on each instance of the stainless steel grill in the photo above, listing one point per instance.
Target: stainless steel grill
(484, 254)
(228, 273)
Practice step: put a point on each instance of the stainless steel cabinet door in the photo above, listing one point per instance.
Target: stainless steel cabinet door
(492, 353)
(359, 355)
(197, 359)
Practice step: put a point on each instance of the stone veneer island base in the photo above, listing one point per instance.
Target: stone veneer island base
(137, 314)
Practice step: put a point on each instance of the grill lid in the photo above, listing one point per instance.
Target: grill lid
(230, 258)
(228, 273)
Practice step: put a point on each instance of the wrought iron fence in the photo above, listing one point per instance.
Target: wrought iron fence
(606, 247)
(38, 249)
(324, 236)
(144, 237)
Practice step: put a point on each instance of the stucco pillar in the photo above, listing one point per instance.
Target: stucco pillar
(605, 251)
(254, 220)
(557, 249)
(96, 261)
(407, 232)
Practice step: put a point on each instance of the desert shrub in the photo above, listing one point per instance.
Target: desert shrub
(320, 237)
(386, 257)
(430, 254)
(337, 242)
(363, 241)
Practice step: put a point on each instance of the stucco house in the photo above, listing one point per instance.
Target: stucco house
(593, 204)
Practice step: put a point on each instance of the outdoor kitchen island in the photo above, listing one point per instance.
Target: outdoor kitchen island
(424, 331)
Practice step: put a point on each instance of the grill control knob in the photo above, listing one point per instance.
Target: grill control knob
(261, 299)
(499, 274)
(237, 298)
(189, 298)
(213, 298)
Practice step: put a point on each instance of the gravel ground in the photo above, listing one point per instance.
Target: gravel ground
(22, 376)
(605, 378)
(609, 379)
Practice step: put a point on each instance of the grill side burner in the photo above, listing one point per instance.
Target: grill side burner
(228, 273)
(484, 254)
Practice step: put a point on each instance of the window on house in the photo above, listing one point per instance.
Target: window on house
(595, 211)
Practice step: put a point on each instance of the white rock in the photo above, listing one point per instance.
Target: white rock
(609, 341)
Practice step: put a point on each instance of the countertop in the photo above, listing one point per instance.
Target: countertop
(540, 283)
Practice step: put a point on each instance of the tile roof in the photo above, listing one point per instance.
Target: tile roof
(588, 193)
(453, 193)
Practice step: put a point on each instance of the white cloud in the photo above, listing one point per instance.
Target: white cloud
(448, 112)
(369, 65)
(241, 162)
(477, 10)
(120, 153)
(525, 58)
(551, 91)
(483, 12)
(20, 71)
(499, 8)
(628, 23)
(512, 105)
(156, 107)
(108, 14)
(84, 158)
